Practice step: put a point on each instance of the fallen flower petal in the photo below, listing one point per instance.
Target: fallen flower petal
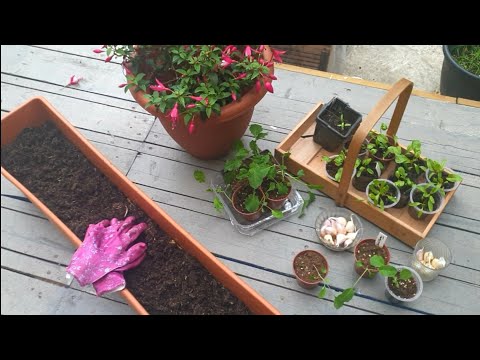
(74, 80)
(109, 58)
(98, 51)
(122, 85)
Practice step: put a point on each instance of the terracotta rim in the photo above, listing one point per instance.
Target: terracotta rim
(387, 251)
(304, 281)
(244, 213)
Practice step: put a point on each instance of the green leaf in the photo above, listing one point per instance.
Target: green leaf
(256, 129)
(315, 187)
(306, 203)
(199, 176)
(405, 274)
(322, 293)
(344, 297)
(213, 77)
(388, 271)
(217, 204)
(377, 261)
(256, 175)
(277, 214)
(282, 189)
(300, 173)
(208, 111)
(252, 203)
(359, 263)
(232, 164)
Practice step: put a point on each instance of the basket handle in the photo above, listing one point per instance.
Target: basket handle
(401, 90)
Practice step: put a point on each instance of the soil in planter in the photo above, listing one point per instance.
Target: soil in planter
(334, 120)
(169, 280)
(241, 196)
(406, 288)
(365, 251)
(305, 264)
(332, 169)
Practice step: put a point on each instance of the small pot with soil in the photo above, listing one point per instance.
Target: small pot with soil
(425, 199)
(310, 268)
(336, 124)
(277, 197)
(404, 182)
(248, 202)
(402, 289)
(364, 250)
(382, 193)
(363, 148)
(378, 149)
(446, 175)
(334, 166)
(366, 171)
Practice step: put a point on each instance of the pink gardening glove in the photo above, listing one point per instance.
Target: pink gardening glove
(104, 249)
(114, 281)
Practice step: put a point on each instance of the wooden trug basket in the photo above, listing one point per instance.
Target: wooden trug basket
(307, 155)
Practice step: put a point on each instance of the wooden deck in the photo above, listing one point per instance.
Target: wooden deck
(34, 254)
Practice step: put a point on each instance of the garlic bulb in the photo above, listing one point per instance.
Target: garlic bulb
(420, 254)
(329, 239)
(350, 227)
(340, 239)
(342, 221)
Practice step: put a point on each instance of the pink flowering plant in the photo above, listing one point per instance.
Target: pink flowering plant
(194, 82)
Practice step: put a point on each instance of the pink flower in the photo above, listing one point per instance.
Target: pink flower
(98, 51)
(261, 48)
(109, 58)
(122, 85)
(268, 86)
(229, 49)
(276, 55)
(174, 115)
(234, 96)
(248, 51)
(226, 60)
(196, 98)
(241, 76)
(159, 86)
(191, 127)
(74, 80)
(189, 106)
(258, 85)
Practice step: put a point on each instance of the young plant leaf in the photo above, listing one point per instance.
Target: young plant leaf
(217, 204)
(277, 214)
(388, 271)
(315, 187)
(405, 274)
(306, 203)
(377, 261)
(344, 297)
(322, 293)
(199, 176)
(252, 203)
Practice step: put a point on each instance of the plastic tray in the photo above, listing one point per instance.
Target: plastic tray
(292, 206)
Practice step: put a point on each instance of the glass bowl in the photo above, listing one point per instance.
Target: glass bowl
(326, 213)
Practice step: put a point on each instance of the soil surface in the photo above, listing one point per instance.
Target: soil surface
(332, 169)
(365, 251)
(305, 264)
(168, 281)
(406, 288)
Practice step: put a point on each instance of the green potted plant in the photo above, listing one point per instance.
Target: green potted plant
(425, 199)
(203, 95)
(364, 250)
(381, 146)
(336, 124)
(334, 166)
(310, 268)
(367, 170)
(460, 75)
(438, 174)
(404, 183)
(382, 193)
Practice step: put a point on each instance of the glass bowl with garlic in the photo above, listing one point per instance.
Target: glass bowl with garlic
(338, 229)
(430, 257)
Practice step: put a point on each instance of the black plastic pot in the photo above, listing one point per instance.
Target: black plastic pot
(456, 81)
(331, 137)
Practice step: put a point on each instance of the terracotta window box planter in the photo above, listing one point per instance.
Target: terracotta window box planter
(36, 112)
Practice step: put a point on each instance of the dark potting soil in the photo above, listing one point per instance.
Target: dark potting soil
(168, 281)
(406, 288)
(307, 264)
(332, 169)
(366, 250)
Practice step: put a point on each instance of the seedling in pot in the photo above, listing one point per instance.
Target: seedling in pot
(423, 198)
(376, 261)
(334, 165)
(380, 146)
(342, 124)
(383, 193)
(368, 168)
(438, 175)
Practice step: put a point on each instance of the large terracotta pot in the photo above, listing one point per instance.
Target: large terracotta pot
(214, 137)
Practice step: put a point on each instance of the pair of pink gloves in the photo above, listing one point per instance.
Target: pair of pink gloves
(104, 254)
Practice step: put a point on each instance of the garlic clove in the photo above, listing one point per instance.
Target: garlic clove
(340, 239)
(347, 242)
(341, 229)
(350, 227)
(438, 263)
(420, 254)
(331, 230)
(428, 257)
(323, 231)
(327, 223)
(342, 221)
(351, 236)
(329, 239)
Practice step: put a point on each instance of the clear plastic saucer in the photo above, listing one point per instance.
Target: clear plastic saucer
(292, 206)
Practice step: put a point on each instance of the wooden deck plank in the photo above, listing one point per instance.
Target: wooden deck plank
(48, 299)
